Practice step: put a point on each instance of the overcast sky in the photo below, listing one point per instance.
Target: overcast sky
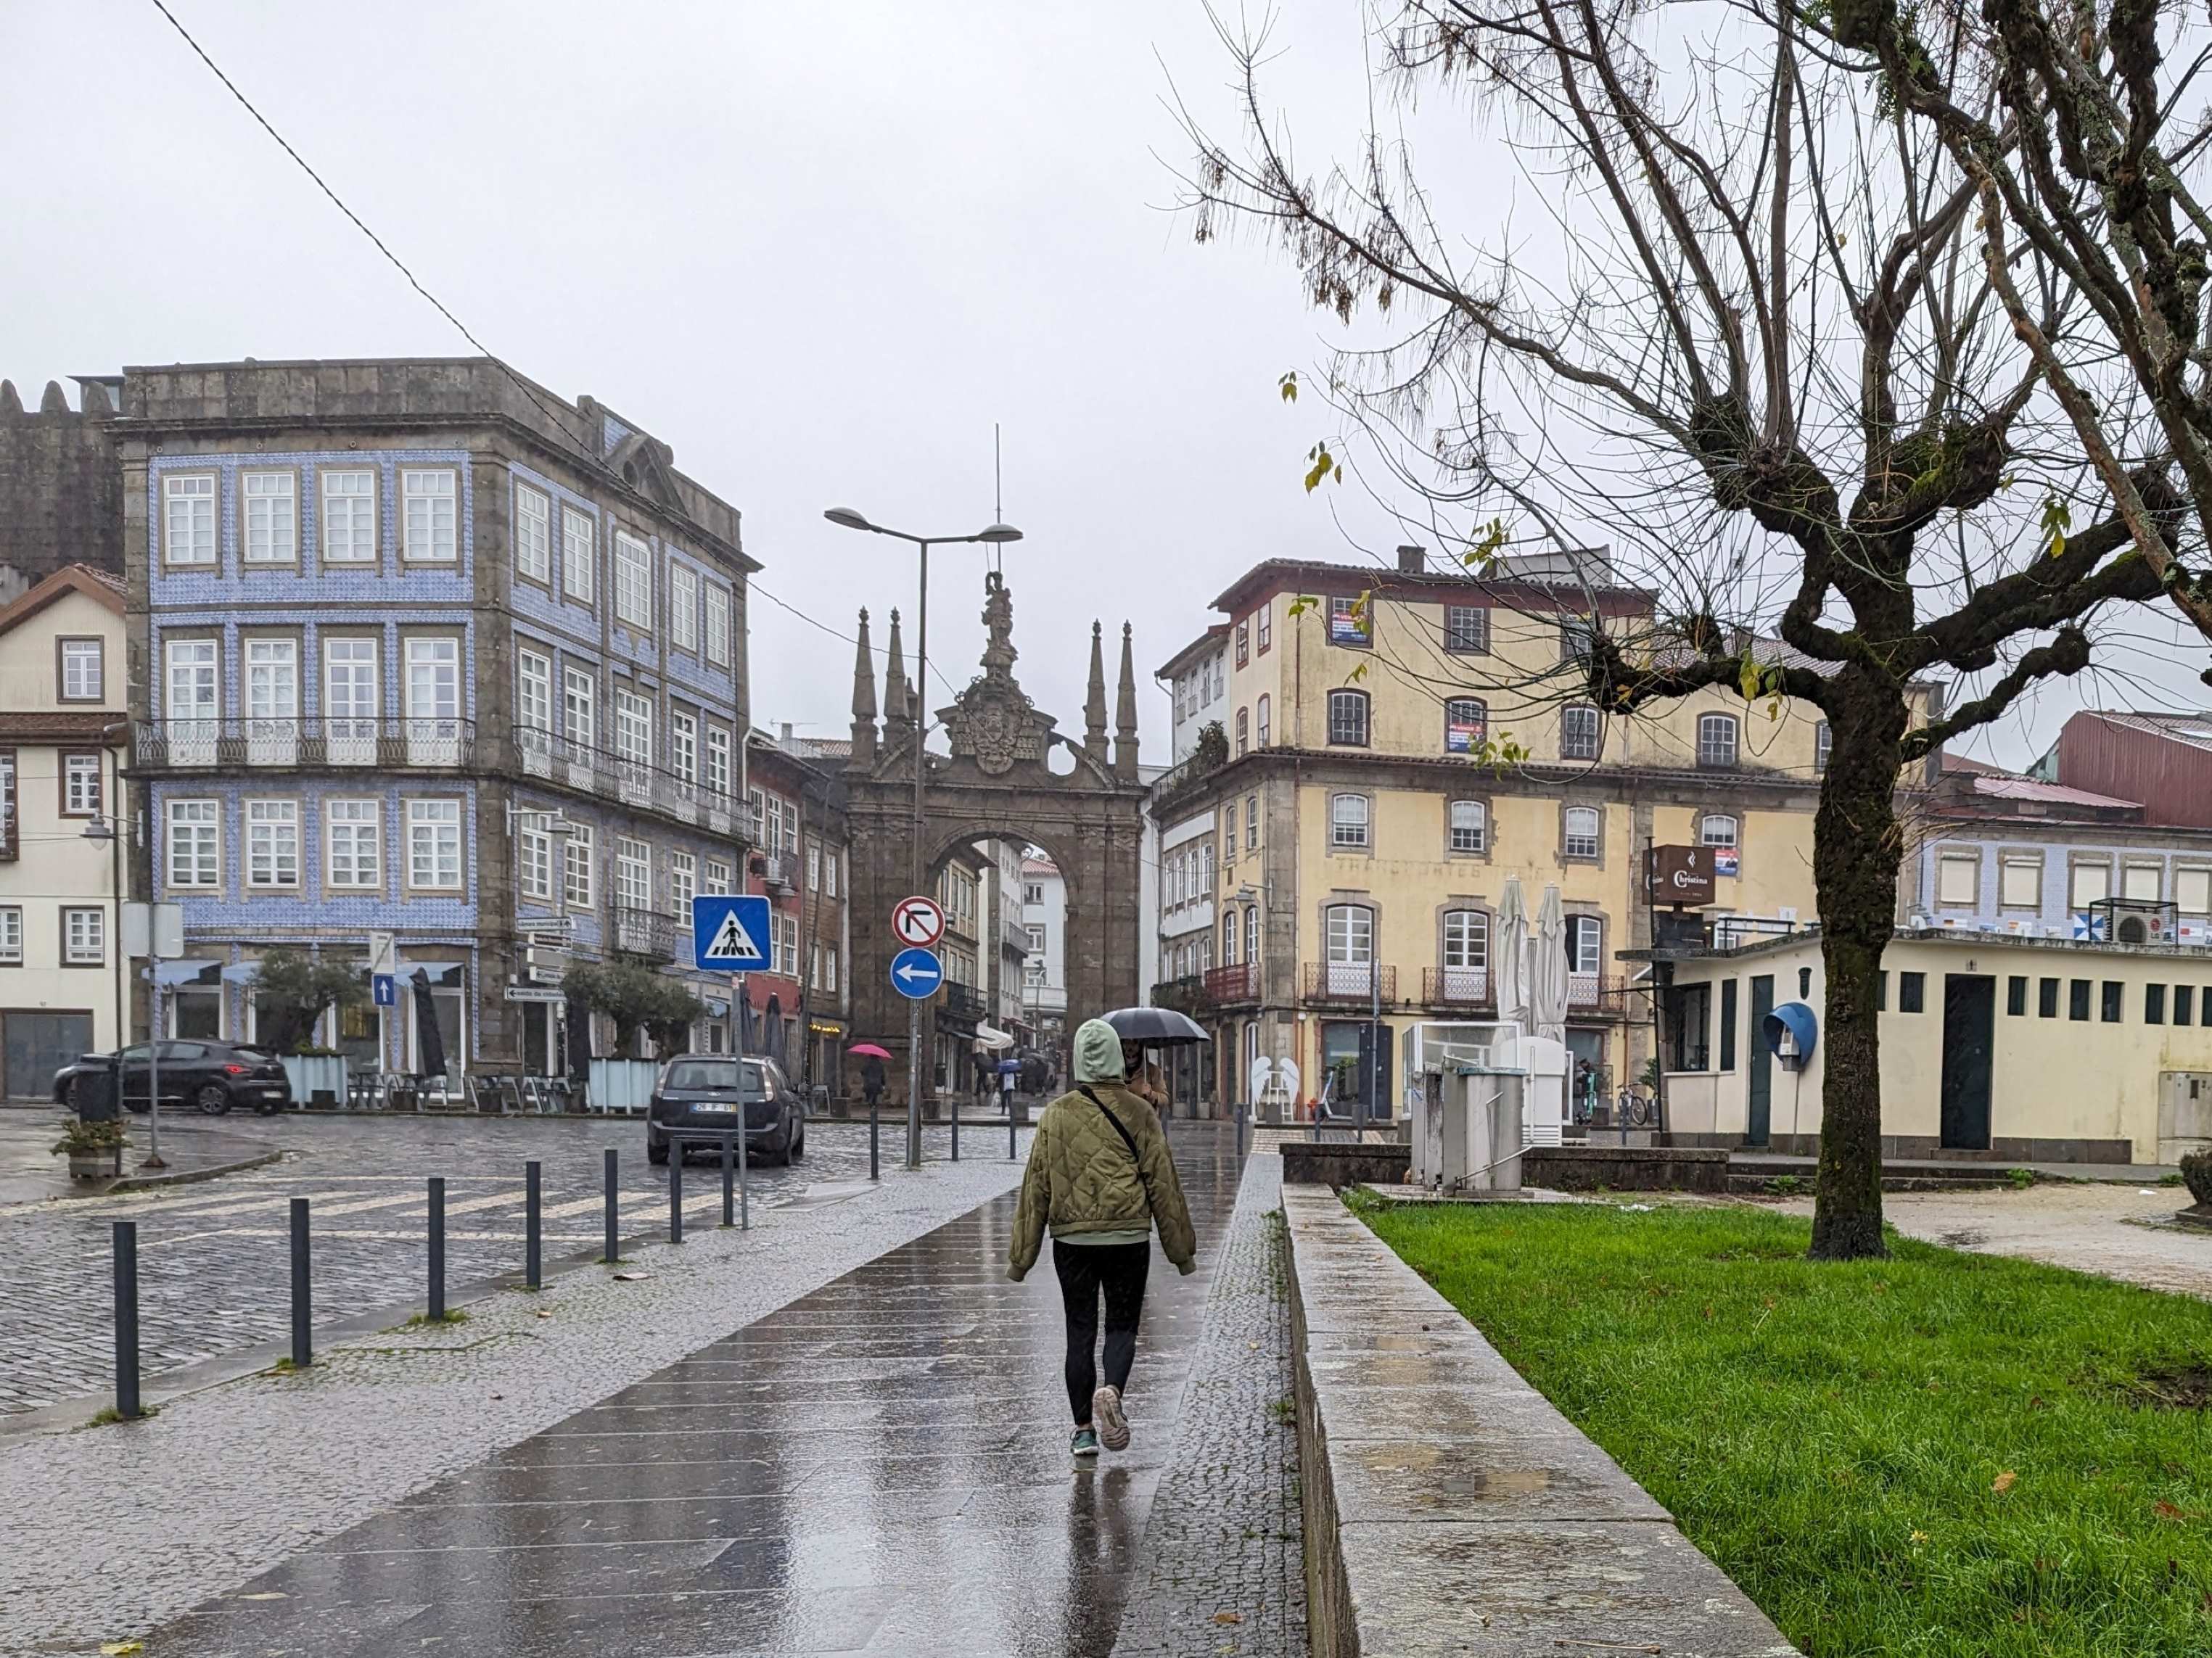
(818, 250)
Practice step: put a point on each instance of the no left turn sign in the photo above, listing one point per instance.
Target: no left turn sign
(917, 921)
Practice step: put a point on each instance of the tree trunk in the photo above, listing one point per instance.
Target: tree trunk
(1856, 850)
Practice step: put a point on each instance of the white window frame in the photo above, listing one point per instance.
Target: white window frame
(715, 877)
(2031, 866)
(683, 883)
(81, 683)
(533, 690)
(718, 763)
(2195, 876)
(1466, 840)
(2129, 883)
(684, 745)
(533, 535)
(273, 845)
(829, 874)
(533, 861)
(430, 515)
(718, 625)
(84, 935)
(633, 581)
(83, 779)
(1580, 730)
(11, 935)
(633, 873)
(433, 845)
(580, 715)
(633, 727)
(2101, 869)
(1470, 711)
(1724, 835)
(347, 515)
(1583, 847)
(272, 681)
(1348, 934)
(579, 553)
(201, 819)
(577, 866)
(1955, 870)
(1351, 830)
(683, 607)
(269, 502)
(1585, 946)
(1720, 739)
(1348, 699)
(353, 844)
(203, 659)
(189, 520)
(1467, 938)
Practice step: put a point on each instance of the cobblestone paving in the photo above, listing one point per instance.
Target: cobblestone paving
(115, 1529)
(214, 1262)
(1224, 1566)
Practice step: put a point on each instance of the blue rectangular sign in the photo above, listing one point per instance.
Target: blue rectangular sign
(385, 989)
(730, 933)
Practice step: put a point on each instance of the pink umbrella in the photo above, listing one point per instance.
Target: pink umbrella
(867, 1051)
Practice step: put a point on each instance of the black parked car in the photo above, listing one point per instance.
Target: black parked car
(210, 1076)
(707, 1091)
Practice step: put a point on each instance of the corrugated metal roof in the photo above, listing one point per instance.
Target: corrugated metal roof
(2006, 787)
(2192, 728)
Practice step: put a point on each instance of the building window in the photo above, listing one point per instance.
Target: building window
(1350, 622)
(814, 869)
(1585, 944)
(2019, 882)
(1957, 877)
(431, 519)
(191, 691)
(1228, 834)
(534, 860)
(2192, 892)
(2184, 998)
(633, 581)
(348, 517)
(830, 872)
(2016, 996)
(1351, 935)
(1824, 743)
(1251, 822)
(1228, 926)
(11, 935)
(1579, 832)
(1264, 738)
(354, 832)
(272, 521)
(434, 688)
(1469, 826)
(684, 745)
(83, 670)
(632, 874)
(1266, 618)
(84, 937)
(195, 845)
(2089, 884)
(2111, 1009)
(579, 547)
(2077, 999)
(80, 785)
(718, 626)
(578, 707)
(533, 704)
(683, 883)
(2046, 998)
(2140, 883)
(1716, 739)
(1243, 733)
(1716, 829)
(1252, 935)
(188, 519)
(576, 867)
(1466, 629)
(1467, 938)
(1578, 732)
(718, 764)
(1911, 992)
(1348, 718)
(433, 845)
(272, 844)
(533, 535)
(633, 728)
(272, 687)
(683, 607)
(349, 700)
(2154, 1004)
(1348, 820)
(715, 878)
(1466, 720)
(1243, 642)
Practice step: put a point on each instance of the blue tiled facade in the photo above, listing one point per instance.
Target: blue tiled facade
(2054, 916)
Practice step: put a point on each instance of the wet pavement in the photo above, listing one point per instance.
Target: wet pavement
(880, 1466)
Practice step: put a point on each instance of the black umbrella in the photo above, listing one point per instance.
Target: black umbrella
(1155, 1027)
(580, 1040)
(429, 1042)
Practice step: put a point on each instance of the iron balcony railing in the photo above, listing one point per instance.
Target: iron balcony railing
(779, 872)
(647, 932)
(961, 1002)
(1235, 986)
(1456, 987)
(1185, 995)
(368, 744)
(557, 759)
(1353, 982)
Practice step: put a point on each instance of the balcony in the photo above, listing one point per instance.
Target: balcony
(554, 758)
(1605, 995)
(1357, 984)
(336, 744)
(1456, 987)
(961, 1001)
(1235, 986)
(779, 873)
(648, 934)
(1185, 995)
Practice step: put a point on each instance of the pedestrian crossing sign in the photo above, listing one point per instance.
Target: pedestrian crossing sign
(730, 933)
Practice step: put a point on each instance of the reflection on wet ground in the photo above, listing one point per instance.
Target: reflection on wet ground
(880, 1467)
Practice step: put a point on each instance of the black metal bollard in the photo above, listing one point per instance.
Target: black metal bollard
(729, 1184)
(1239, 1110)
(303, 1343)
(676, 1192)
(744, 1214)
(126, 1319)
(955, 1128)
(1010, 1128)
(437, 1248)
(875, 1135)
(533, 1224)
(614, 1242)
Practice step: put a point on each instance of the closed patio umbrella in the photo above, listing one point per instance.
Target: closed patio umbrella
(429, 1042)
(774, 1031)
(579, 1041)
(1511, 972)
(1547, 973)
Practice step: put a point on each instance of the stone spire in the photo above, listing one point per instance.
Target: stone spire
(1094, 705)
(1125, 716)
(10, 403)
(897, 715)
(864, 698)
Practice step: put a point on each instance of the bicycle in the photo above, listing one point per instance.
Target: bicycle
(1635, 1109)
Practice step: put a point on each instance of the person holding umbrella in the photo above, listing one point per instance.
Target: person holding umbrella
(872, 1071)
(1099, 1177)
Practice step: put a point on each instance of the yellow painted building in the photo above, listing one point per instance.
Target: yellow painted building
(1365, 835)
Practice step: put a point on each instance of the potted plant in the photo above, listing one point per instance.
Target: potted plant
(94, 1149)
(292, 991)
(634, 998)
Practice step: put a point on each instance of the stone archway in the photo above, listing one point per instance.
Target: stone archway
(996, 783)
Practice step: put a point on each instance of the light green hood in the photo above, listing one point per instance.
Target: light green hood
(1097, 1052)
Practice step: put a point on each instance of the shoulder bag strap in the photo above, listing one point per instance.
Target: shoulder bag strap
(1127, 1138)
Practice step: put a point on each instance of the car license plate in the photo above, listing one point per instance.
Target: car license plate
(712, 1105)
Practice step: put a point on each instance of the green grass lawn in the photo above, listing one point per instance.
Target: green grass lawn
(1937, 1453)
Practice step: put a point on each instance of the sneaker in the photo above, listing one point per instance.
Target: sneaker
(1085, 1443)
(1113, 1426)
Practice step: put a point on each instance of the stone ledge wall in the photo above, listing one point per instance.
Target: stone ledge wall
(1558, 1168)
(1448, 1508)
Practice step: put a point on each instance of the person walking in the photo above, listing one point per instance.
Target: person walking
(1100, 1178)
(872, 1080)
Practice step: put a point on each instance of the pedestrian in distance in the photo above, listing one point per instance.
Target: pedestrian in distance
(872, 1080)
(1099, 1178)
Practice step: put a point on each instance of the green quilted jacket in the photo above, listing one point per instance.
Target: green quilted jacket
(1081, 1177)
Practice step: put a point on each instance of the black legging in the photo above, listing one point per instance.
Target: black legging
(1084, 1269)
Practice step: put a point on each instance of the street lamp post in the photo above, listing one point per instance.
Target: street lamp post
(995, 535)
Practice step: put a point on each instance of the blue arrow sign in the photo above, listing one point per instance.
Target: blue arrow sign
(917, 973)
(730, 933)
(384, 989)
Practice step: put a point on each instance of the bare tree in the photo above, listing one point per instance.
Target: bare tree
(1750, 342)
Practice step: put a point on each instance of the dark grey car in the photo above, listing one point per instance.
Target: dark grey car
(707, 1091)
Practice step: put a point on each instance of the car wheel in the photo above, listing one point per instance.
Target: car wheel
(799, 1143)
(656, 1154)
(213, 1099)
